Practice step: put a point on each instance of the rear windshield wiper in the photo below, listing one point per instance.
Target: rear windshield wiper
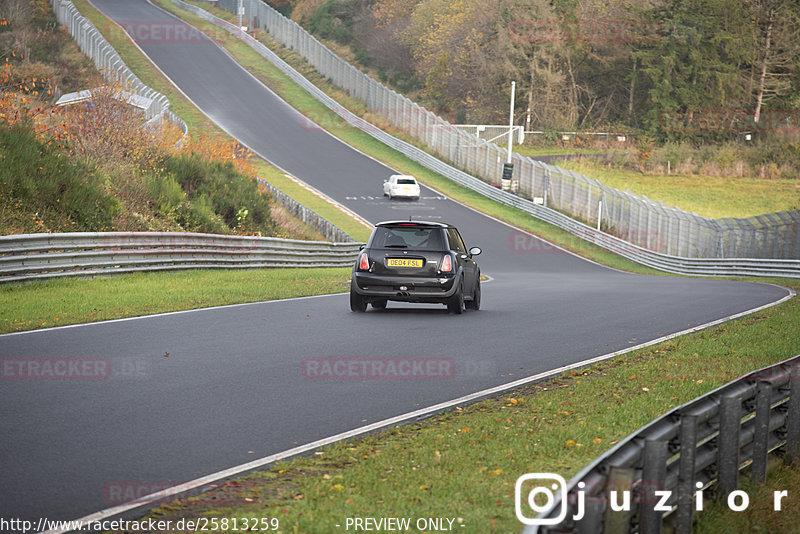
(396, 246)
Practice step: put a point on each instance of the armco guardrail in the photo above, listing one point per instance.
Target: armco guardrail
(634, 218)
(33, 256)
(664, 262)
(309, 217)
(702, 446)
(110, 64)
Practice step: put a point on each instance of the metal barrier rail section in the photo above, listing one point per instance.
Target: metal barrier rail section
(36, 256)
(665, 262)
(308, 216)
(702, 446)
(634, 218)
(110, 64)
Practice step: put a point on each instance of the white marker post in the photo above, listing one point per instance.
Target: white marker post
(508, 168)
(599, 213)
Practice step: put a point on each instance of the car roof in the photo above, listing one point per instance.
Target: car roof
(403, 176)
(415, 223)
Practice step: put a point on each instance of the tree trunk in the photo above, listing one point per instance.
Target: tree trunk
(631, 91)
(530, 103)
(764, 60)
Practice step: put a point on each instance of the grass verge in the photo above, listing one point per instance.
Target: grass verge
(31, 305)
(761, 515)
(462, 465)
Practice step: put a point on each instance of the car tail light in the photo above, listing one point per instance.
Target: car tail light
(363, 262)
(447, 263)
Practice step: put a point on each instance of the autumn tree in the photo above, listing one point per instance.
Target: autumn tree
(776, 28)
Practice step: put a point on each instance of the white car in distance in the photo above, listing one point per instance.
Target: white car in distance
(401, 186)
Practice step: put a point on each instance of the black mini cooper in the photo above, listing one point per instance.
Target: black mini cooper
(411, 261)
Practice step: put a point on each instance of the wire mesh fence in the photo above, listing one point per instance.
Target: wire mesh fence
(634, 218)
(110, 64)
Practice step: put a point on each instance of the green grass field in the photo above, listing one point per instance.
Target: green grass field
(708, 196)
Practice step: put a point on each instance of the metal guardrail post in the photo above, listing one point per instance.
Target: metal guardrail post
(761, 436)
(793, 416)
(620, 480)
(730, 419)
(654, 473)
(686, 474)
(703, 443)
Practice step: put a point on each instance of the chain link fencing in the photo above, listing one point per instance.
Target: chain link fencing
(636, 219)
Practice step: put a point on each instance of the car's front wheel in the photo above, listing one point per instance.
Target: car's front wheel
(475, 303)
(456, 303)
(357, 302)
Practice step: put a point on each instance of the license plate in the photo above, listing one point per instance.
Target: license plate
(403, 262)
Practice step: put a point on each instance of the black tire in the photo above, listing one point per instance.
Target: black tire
(456, 303)
(357, 302)
(475, 303)
(379, 304)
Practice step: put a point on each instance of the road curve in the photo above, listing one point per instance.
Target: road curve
(188, 394)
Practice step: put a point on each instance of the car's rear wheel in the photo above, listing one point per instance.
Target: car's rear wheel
(357, 302)
(456, 303)
(475, 303)
(379, 304)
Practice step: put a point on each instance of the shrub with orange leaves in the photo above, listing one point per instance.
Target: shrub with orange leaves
(106, 127)
(220, 150)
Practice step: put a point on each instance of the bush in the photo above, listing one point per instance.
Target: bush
(199, 216)
(220, 188)
(333, 20)
(166, 193)
(52, 184)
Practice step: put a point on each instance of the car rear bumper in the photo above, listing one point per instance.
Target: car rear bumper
(417, 289)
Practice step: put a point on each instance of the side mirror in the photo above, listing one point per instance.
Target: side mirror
(362, 246)
(474, 251)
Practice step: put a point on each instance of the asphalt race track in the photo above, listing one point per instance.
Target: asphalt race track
(234, 386)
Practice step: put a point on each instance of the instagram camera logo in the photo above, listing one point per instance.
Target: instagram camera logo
(547, 486)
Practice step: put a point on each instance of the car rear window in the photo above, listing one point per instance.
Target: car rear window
(408, 181)
(408, 237)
